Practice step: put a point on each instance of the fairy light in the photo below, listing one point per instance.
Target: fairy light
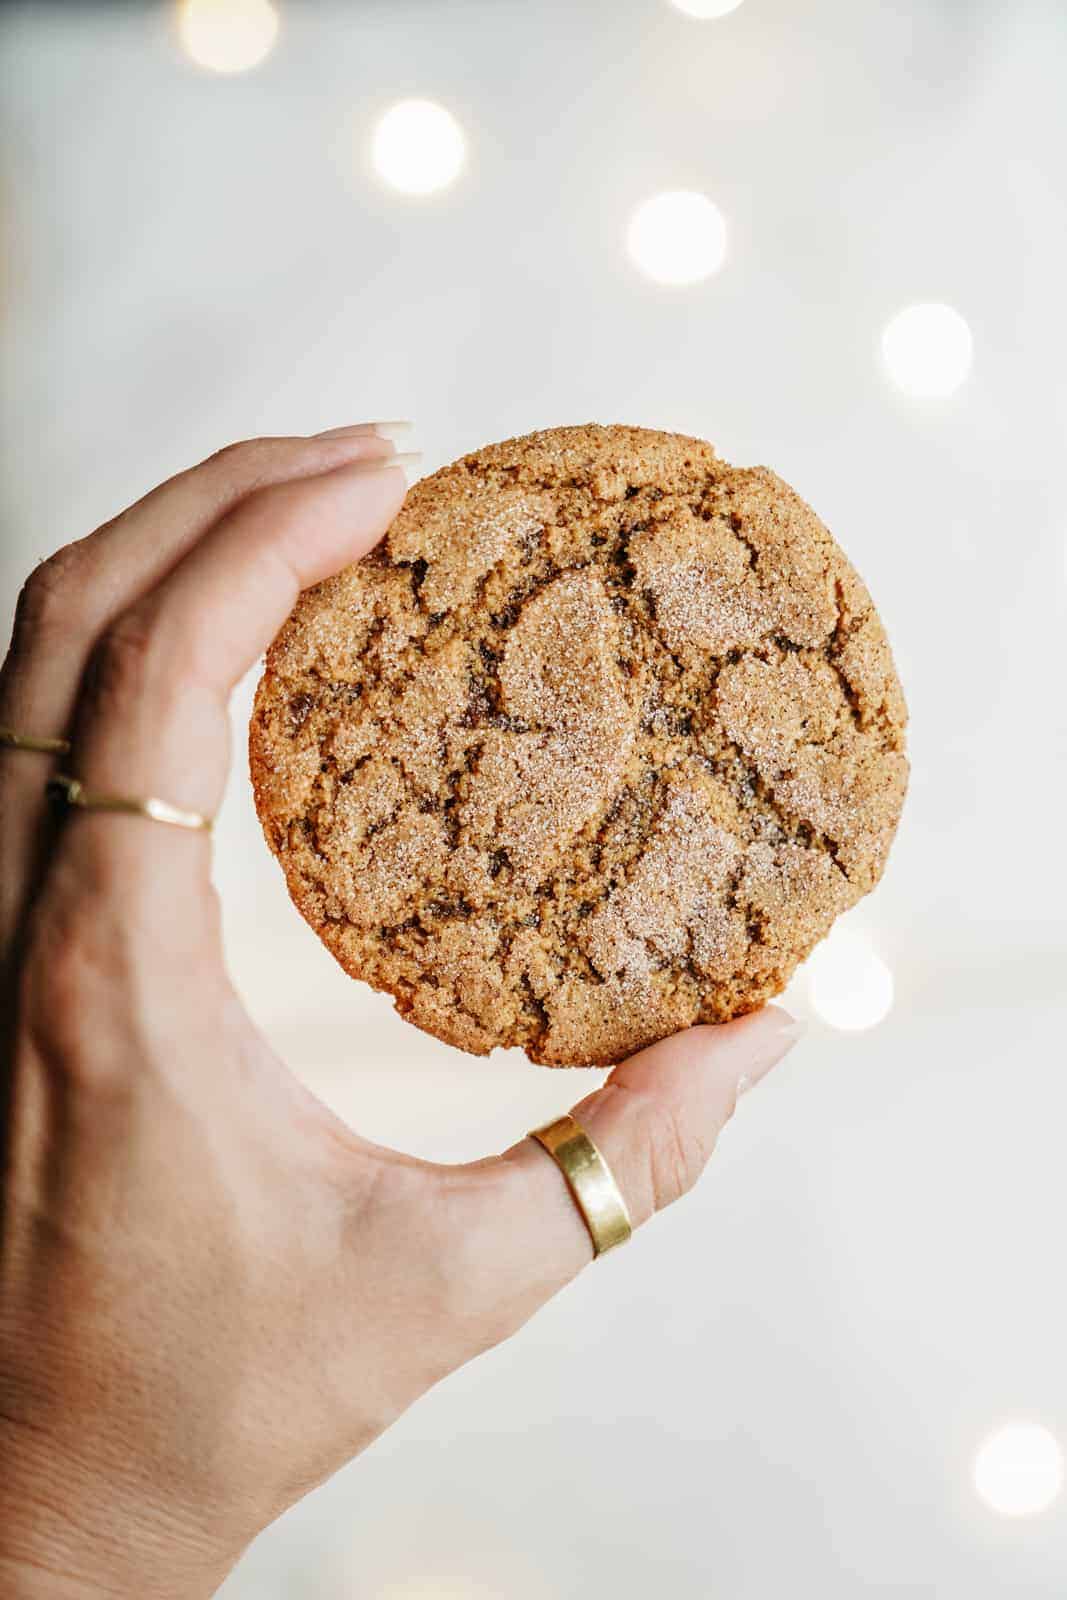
(418, 147)
(227, 36)
(677, 238)
(849, 984)
(1018, 1469)
(928, 350)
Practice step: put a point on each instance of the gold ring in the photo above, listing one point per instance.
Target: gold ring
(11, 739)
(73, 793)
(590, 1181)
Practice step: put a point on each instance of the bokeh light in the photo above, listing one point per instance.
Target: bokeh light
(678, 237)
(849, 985)
(418, 147)
(1018, 1469)
(928, 350)
(706, 9)
(227, 35)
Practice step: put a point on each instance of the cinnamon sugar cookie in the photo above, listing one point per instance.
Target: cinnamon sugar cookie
(595, 745)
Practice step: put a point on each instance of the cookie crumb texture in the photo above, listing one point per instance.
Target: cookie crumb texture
(595, 745)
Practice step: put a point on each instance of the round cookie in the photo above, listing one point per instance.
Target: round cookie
(595, 745)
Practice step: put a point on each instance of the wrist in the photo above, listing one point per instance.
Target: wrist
(24, 1580)
(76, 1540)
(77, 1572)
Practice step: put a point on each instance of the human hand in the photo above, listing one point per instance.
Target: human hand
(212, 1292)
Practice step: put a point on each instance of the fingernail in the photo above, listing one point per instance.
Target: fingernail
(381, 430)
(407, 462)
(774, 1032)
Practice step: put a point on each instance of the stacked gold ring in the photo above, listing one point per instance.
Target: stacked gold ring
(590, 1181)
(11, 739)
(72, 792)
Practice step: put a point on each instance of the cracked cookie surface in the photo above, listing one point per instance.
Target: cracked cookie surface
(595, 745)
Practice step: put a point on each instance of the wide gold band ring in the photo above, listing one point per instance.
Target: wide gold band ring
(72, 792)
(12, 739)
(590, 1181)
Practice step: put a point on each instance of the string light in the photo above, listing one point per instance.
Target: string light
(706, 9)
(928, 350)
(227, 35)
(678, 237)
(849, 985)
(418, 147)
(1018, 1470)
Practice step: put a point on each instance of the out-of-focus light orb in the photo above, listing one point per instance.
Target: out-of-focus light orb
(1018, 1470)
(418, 147)
(706, 9)
(227, 35)
(678, 237)
(849, 985)
(928, 350)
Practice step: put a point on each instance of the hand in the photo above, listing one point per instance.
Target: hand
(212, 1292)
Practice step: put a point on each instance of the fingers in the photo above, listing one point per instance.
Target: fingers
(655, 1121)
(71, 599)
(152, 718)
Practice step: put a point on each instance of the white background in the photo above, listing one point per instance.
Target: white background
(779, 1387)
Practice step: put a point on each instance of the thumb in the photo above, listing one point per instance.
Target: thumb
(655, 1122)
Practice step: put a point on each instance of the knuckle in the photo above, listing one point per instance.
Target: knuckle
(53, 596)
(675, 1154)
(123, 659)
(67, 1011)
(243, 463)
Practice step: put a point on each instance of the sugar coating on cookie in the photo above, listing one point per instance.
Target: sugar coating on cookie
(595, 745)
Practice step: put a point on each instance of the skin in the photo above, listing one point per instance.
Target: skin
(213, 1293)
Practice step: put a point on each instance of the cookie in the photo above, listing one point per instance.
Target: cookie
(595, 745)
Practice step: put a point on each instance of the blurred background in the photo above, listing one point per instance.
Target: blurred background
(828, 235)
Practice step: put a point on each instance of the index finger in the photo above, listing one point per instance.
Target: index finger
(71, 598)
(152, 720)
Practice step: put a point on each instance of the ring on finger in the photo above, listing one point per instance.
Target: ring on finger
(590, 1181)
(12, 739)
(73, 793)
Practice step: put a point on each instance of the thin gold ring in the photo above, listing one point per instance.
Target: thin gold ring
(73, 792)
(12, 739)
(590, 1181)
